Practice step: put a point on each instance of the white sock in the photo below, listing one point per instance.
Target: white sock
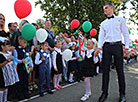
(71, 77)
(97, 69)
(5, 95)
(55, 80)
(1, 96)
(58, 79)
(88, 89)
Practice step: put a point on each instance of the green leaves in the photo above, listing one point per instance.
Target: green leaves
(62, 12)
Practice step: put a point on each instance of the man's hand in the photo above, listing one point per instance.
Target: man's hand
(97, 52)
(126, 53)
(56, 69)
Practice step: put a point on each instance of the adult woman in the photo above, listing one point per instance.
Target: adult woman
(2, 24)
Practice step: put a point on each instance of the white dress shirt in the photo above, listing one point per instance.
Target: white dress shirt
(54, 56)
(39, 61)
(111, 30)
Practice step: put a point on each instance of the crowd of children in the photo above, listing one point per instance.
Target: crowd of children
(49, 65)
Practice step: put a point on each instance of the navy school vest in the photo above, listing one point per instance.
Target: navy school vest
(46, 55)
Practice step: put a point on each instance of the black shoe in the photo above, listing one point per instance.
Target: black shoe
(78, 80)
(41, 94)
(103, 97)
(26, 96)
(82, 79)
(20, 98)
(122, 98)
(49, 92)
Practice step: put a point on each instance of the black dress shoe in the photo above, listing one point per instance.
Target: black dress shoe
(103, 97)
(26, 96)
(49, 92)
(122, 98)
(20, 98)
(41, 94)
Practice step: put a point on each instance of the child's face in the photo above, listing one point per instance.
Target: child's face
(89, 45)
(73, 47)
(6, 47)
(58, 45)
(23, 43)
(44, 46)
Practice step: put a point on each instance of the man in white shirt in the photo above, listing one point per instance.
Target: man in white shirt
(110, 41)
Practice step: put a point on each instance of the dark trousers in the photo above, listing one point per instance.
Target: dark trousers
(44, 78)
(23, 83)
(115, 50)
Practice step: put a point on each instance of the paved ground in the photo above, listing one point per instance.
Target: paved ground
(75, 92)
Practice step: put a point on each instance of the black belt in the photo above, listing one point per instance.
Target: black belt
(113, 43)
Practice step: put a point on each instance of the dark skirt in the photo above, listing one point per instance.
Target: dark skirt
(2, 84)
(60, 71)
(72, 65)
(88, 68)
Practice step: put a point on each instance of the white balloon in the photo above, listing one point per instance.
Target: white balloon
(41, 35)
(67, 54)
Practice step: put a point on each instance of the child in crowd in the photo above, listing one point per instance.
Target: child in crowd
(8, 73)
(21, 53)
(58, 64)
(88, 67)
(44, 61)
(72, 64)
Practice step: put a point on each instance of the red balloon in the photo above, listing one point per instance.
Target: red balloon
(93, 32)
(22, 8)
(136, 41)
(132, 50)
(74, 23)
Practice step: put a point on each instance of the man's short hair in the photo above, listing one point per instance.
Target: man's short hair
(9, 25)
(109, 4)
(47, 20)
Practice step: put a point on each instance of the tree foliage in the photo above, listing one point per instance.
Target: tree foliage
(134, 15)
(62, 12)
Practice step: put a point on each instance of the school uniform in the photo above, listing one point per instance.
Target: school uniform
(72, 63)
(21, 53)
(88, 67)
(58, 61)
(8, 73)
(44, 69)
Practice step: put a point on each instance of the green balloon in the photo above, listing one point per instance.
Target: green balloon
(129, 31)
(131, 46)
(86, 26)
(134, 44)
(133, 41)
(28, 32)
